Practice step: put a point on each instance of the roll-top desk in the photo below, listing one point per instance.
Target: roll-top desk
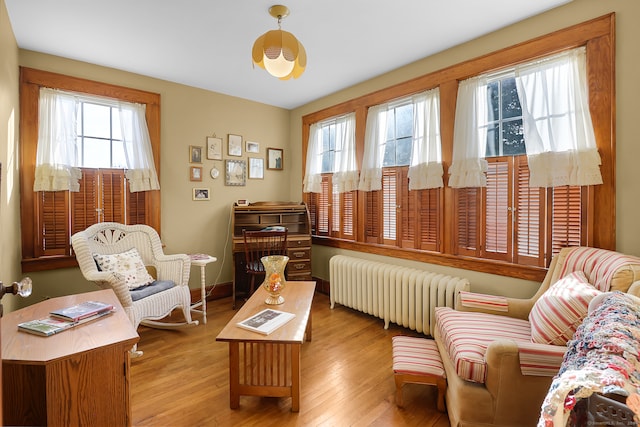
(259, 215)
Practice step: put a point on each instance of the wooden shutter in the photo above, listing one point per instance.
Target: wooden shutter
(113, 196)
(567, 226)
(389, 203)
(347, 203)
(84, 203)
(53, 223)
(136, 207)
(373, 209)
(408, 212)
(497, 221)
(530, 224)
(429, 219)
(335, 211)
(468, 220)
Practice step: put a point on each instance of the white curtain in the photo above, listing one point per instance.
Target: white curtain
(559, 136)
(57, 153)
(426, 155)
(374, 140)
(140, 170)
(468, 164)
(345, 169)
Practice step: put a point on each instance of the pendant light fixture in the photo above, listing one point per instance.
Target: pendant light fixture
(279, 52)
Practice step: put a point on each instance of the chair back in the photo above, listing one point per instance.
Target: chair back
(258, 244)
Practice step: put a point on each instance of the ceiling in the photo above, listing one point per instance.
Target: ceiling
(207, 43)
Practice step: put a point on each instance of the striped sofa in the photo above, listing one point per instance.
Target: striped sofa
(498, 368)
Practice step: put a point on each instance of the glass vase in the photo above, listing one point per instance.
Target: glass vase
(274, 281)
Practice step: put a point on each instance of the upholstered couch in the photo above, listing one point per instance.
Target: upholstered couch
(498, 363)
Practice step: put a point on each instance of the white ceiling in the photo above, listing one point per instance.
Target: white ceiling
(207, 43)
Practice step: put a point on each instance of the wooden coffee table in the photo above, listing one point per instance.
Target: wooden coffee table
(269, 365)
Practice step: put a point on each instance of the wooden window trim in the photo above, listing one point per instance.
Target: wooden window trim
(30, 82)
(598, 36)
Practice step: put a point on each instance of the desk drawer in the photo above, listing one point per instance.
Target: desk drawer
(298, 267)
(298, 242)
(298, 254)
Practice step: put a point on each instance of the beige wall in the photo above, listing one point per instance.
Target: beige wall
(9, 190)
(628, 88)
(189, 115)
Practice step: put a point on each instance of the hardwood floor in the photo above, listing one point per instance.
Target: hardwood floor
(347, 379)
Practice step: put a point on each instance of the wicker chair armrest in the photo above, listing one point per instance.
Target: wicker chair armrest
(174, 267)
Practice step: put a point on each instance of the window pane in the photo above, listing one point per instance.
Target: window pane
(493, 98)
(510, 102)
(97, 120)
(403, 151)
(97, 153)
(118, 160)
(513, 138)
(404, 121)
(493, 140)
(389, 154)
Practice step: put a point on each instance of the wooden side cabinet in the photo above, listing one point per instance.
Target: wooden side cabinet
(260, 215)
(77, 377)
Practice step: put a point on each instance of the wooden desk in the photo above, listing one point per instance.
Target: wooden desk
(269, 365)
(77, 377)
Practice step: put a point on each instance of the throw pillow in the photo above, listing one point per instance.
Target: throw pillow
(555, 317)
(129, 264)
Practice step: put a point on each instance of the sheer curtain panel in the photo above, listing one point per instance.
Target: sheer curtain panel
(426, 155)
(141, 170)
(57, 152)
(468, 164)
(374, 140)
(560, 141)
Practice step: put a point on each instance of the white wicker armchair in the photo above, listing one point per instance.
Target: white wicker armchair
(108, 238)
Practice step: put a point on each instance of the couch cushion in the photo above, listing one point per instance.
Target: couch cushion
(467, 335)
(556, 315)
(129, 264)
(606, 270)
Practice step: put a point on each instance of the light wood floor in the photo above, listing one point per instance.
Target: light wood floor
(347, 380)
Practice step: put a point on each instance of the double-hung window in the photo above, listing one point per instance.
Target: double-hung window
(503, 212)
(331, 177)
(402, 173)
(93, 161)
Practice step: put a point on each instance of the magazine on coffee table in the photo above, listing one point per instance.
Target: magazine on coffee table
(266, 321)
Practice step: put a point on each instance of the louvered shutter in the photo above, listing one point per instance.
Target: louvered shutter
(408, 210)
(530, 226)
(53, 223)
(468, 221)
(113, 196)
(497, 226)
(84, 203)
(348, 214)
(567, 228)
(429, 219)
(373, 206)
(389, 203)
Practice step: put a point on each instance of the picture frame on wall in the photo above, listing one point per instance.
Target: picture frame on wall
(252, 147)
(195, 173)
(195, 154)
(275, 158)
(235, 172)
(256, 168)
(214, 148)
(201, 194)
(235, 145)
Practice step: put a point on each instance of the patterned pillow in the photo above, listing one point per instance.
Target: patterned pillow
(561, 309)
(129, 264)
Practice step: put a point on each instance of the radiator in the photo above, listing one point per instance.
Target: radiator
(402, 295)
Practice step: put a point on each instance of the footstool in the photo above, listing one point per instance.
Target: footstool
(417, 361)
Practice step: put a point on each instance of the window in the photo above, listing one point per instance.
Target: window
(507, 227)
(333, 167)
(49, 218)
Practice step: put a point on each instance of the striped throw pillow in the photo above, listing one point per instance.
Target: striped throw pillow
(561, 309)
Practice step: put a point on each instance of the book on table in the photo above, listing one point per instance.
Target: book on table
(52, 325)
(266, 321)
(81, 311)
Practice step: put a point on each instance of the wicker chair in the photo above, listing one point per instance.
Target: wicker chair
(152, 302)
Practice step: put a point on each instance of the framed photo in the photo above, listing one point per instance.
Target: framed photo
(195, 173)
(214, 148)
(235, 172)
(252, 147)
(201, 194)
(256, 168)
(235, 145)
(274, 158)
(195, 154)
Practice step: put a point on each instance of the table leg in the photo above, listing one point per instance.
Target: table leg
(203, 293)
(295, 377)
(234, 375)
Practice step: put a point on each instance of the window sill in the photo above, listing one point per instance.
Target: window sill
(48, 263)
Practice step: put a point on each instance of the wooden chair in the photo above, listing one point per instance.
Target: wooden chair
(258, 244)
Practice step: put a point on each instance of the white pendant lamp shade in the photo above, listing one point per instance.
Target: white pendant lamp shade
(278, 51)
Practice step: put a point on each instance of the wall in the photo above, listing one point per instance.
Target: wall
(628, 151)
(189, 115)
(9, 188)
